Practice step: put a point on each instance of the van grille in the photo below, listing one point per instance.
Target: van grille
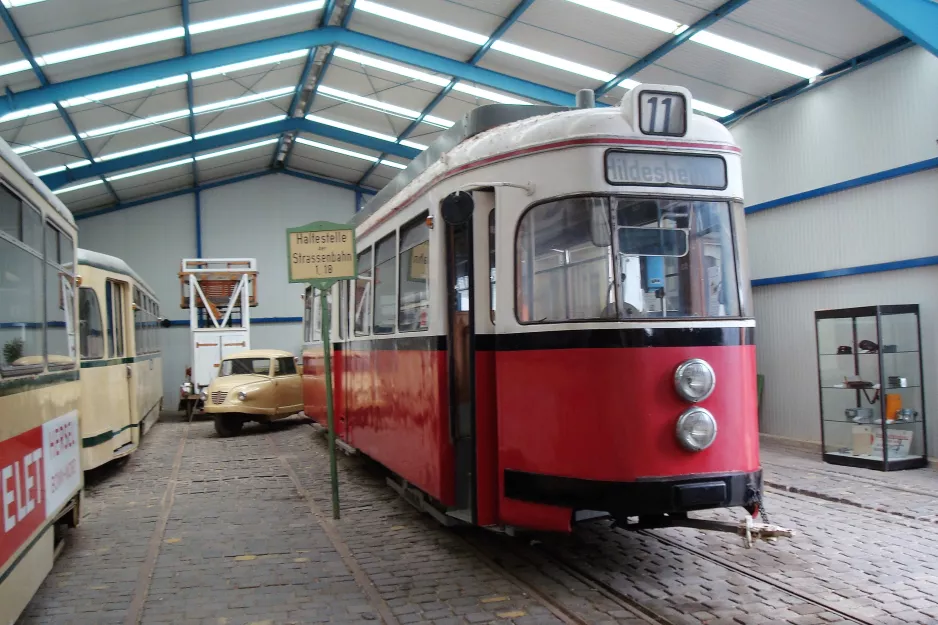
(218, 397)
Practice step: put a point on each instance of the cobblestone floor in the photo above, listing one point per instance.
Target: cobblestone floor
(197, 529)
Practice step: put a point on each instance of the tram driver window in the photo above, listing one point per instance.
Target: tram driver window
(414, 305)
(21, 290)
(60, 299)
(90, 329)
(363, 286)
(385, 285)
(625, 258)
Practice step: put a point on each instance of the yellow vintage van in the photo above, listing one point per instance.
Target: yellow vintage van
(257, 385)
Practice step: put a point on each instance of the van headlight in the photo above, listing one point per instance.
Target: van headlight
(694, 380)
(242, 395)
(696, 429)
(203, 396)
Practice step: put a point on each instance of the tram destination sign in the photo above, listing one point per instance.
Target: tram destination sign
(321, 251)
(658, 169)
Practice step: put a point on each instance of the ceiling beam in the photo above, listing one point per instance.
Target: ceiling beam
(189, 96)
(838, 71)
(916, 19)
(497, 34)
(327, 9)
(41, 76)
(330, 35)
(705, 22)
(60, 179)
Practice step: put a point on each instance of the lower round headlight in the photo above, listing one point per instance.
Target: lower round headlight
(696, 429)
(203, 396)
(242, 395)
(694, 380)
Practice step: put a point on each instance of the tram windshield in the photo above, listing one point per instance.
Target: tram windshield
(596, 258)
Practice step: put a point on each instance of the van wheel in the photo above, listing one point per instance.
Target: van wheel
(227, 426)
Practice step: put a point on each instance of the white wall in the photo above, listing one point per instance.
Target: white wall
(874, 119)
(247, 219)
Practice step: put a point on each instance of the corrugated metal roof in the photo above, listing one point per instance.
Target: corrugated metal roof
(373, 94)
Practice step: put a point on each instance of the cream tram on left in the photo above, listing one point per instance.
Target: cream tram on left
(40, 440)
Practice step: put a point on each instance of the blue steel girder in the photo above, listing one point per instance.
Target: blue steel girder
(916, 19)
(326, 62)
(330, 35)
(41, 76)
(189, 95)
(497, 34)
(705, 22)
(327, 9)
(838, 71)
(261, 131)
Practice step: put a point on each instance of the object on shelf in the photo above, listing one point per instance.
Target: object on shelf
(857, 383)
(859, 415)
(868, 346)
(844, 349)
(896, 381)
(890, 349)
(862, 440)
(893, 405)
(906, 414)
(898, 443)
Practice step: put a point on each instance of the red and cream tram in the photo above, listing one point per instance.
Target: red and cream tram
(553, 317)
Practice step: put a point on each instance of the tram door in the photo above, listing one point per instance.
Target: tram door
(457, 215)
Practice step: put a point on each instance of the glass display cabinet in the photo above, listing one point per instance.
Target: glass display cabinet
(870, 378)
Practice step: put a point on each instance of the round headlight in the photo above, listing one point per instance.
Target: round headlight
(242, 395)
(696, 429)
(203, 396)
(694, 380)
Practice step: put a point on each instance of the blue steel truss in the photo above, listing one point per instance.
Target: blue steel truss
(261, 131)
(189, 96)
(28, 54)
(916, 19)
(497, 34)
(706, 22)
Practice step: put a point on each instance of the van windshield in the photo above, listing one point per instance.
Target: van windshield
(245, 366)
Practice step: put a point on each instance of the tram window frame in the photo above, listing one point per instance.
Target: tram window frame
(139, 309)
(316, 326)
(343, 309)
(362, 295)
(732, 280)
(307, 313)
(492, 274)
(84, 325)
(385, 254)
(404, 265)
(18, 243)
(114, 297)
(61, 280)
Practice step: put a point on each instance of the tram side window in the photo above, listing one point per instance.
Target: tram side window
(115, 319)
(414, 305)
(91, 331)
(308, 314)
(60, 299)
(21, 290)
(343, 309)
(140, 323)
(363, 287)
(385, 285)
(492, 264)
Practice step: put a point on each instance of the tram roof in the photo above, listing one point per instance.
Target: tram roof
(113, 264)
(473, 123)
(18, 164)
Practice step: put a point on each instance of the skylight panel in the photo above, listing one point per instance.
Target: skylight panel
(552, 61)
(235, 67)
(110, 46)
(413, 144)
(55, 170)
(42, 145)
(750, 53)
(488, 95)
(15, 66)
(221, 131)
(252, 18)
(150, 170)
(76, 187)
(116, 93)
(36, 110)
(240, 148)
(711, 109)
(400, 111)
(392, 164)
(143, 148)
(420, 22)
(351, 128)
(136, 123)
(248, 99)
(19, 3)
(336, 149)
(394, 68)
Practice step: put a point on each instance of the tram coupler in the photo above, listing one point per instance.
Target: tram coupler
(747, 528)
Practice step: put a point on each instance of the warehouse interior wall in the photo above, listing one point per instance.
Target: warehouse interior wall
(244, 220)
(876, 131)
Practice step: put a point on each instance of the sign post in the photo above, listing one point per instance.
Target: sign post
(320, 254)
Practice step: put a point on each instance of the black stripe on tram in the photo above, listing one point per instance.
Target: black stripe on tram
(617, 338)
(422, 342)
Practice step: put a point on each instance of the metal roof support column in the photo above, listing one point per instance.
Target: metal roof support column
(319, 78)
(327, 10)
(916, 19)
(26, 52)
(198, 221)
(707, 21)
(497, 34)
